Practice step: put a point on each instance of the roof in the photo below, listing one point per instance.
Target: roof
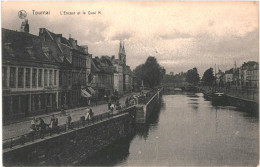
(250, 65)
(65, 45)
(25, 47)
(103, 64)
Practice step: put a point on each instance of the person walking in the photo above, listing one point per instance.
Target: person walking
(126, 101)
(87, 117)
(112, 109)
(69, 121)
(52, 124)
(108, 105)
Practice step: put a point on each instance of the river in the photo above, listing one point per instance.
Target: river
(188, 130)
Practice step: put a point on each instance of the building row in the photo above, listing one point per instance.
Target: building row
(245, 76)
(46, 72)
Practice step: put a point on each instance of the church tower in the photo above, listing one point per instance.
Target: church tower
(121, 54)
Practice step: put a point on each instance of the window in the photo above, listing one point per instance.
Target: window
(60, 78)
(28, 77)
(4, 76)
(55, 75)
(34, 77)
(20, 77)
(12, 77)
(50, 77)
(45, 78)
(40, 78)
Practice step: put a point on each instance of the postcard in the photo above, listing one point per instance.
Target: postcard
(130, 83)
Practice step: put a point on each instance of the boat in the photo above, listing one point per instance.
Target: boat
(218, 98)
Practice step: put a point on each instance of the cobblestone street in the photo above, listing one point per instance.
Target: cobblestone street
(17, 129)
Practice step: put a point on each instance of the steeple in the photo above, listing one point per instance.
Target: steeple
(123, 48)
(120, 48)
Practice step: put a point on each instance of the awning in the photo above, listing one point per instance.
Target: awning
(91, 90)
(84, 93)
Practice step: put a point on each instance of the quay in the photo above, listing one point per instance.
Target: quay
(243, 98)
(70, 146)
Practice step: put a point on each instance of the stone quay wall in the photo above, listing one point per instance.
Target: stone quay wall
(143, 111)
(73, 146)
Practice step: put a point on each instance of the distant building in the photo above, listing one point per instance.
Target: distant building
(103, 76)
(118, 75)
(228, 77)
(220, 78)
(250, 74)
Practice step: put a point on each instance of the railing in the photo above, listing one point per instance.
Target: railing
(32, 136)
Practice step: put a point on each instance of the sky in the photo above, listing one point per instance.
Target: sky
(181, 35)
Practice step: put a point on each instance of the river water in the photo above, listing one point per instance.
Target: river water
(188, 130)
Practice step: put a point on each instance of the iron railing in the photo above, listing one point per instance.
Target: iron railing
(36, 135)
(32, 136)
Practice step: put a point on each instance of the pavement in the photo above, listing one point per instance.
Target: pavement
(23, 127)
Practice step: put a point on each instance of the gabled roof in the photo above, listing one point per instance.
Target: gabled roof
(24, 46)
(65, 45)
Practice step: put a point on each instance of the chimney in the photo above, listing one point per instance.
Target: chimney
(24, 26)
(59, 36)
(85, 47)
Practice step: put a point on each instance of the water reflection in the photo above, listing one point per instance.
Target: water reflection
(115, 153)
(118, 152)
(142, 130)
(176, 135)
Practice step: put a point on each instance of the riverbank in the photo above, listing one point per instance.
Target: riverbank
(242, 93)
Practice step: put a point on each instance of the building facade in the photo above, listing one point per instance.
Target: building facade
(74, 68)
(30, 75)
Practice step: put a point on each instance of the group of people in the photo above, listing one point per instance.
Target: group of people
(132, 100)
(40, 127)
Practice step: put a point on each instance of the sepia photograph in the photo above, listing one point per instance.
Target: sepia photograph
(130, 83)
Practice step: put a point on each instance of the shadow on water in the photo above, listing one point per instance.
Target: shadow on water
(142, 130)
(111, 155)
(118, 152)
(249, 114)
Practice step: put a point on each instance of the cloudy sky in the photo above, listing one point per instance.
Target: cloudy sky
(181, 35)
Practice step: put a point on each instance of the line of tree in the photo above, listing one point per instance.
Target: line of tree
(192, 76)
(150, 73)
(208, 77)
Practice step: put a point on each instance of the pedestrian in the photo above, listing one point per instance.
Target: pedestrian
(108, 105)
(32, 129)
(33, 124)
(42, 127)
(62, 110)
(69, 121)
(91, 113)
(126, 101)
(52, 124)
(87, 117)
(112, 108)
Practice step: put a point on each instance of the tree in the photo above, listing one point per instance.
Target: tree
(192, 76)
(151, 73)
(139, 73)
(208, 77)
